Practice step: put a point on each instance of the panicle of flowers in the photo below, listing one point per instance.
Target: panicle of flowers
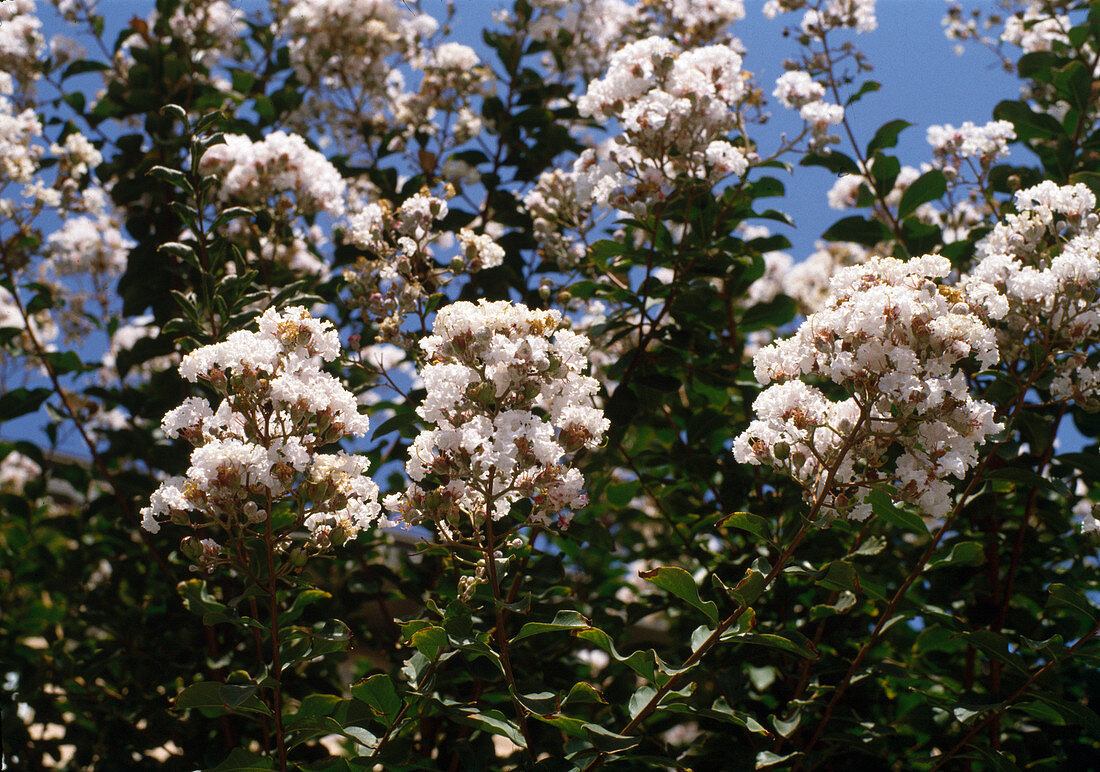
(1038, 274)
(349, 56)
(1036, 28)
(581, 35)
(20, 150)
(677, 110)
(288, 179)
(693, 23)
(211, 28)
(951, 146)
(21, 41)
(337, 42)
(895, 340)
(280, 170)
(821, 16)
(454, 77)
(16, 470)
(261, 447)
(507, 402)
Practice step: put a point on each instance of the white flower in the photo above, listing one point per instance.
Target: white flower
(508, 402)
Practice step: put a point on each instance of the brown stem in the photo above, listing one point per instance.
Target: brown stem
(501, 634)
(276, 664)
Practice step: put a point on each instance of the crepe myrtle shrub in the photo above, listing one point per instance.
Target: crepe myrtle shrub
(376, 400)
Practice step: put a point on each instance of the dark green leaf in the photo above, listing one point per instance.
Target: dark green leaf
(681, 584)
(886, 136)
(928, 187)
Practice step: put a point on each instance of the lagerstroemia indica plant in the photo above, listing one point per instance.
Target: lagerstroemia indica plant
(387, 402)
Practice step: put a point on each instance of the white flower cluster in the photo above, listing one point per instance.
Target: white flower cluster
(334, 43)
(212, 28)
(260, 447)
(1038, 274)
(676, 110)
(88, 245)
(288, 179)
(1036, 29)
(507, 400)
(985, 144)
(21, 40)
(16, 470)
(894, 340)
(276, 167)
(454, 77)
(19, 148)
(797, 90)
(821, 16)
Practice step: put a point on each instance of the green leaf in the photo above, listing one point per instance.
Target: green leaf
(681, 584)
(796, 644)
(766, 759)
(752, 584)
(584, 693)
(886, 136)
(198, 601)
(606, 741)
(1074, 84)
(859, 230)
(494, 722)
(539, 703)
(883, 506)
(745, 521)
(173, 177)
(563, 620)
(229, 214)
(429, 641)
(1027, 123)
(836, 162)
(379, 693)
(301, 600)
(1071, 712)
(967, 553)
(396, 423)
(774, 313)
(63, 362)
(178, 249)
(995, 646)
(841, 575)
(83, 66)
(867, 88)
(928, 187)
(240, 760)
(217, 698)
(1064, 596)
(22, 401)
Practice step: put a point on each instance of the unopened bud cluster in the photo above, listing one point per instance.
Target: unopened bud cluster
(508, 401)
